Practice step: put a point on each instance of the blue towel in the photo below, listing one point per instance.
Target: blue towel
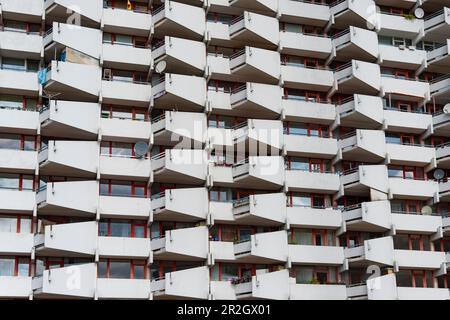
(42, 76)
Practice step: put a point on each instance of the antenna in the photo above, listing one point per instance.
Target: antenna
(160, 66)
(438, 174)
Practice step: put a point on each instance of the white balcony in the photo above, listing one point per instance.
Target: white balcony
(15, 287)
(262, 248)
(180, 166)
(415, 90)
(363, 145)
(58, 282)
(413, 189)
(312, 147)
(255, 29)
(12, 243)
(443, 156)
(308, 111)
(188, 244)
(186, 93)
(127, 168)
(187, 204)
(265, 285)
(185, 284)
(299, 77)
(416, 223)
(256, 100)
(125, 130)
(126, 57)
(364, 179)
(18, 82)
(357, 43)
(20, 44)
(180, 129)
(415, 259)
(356, 13)
(133, 22)
(399, 26)
(181, 56)
(269, 7)
(264, 172)
(132, 289)
(124, 207)
(316, 255)
(317, 292)
(58, 240)
(70, 198)
(437, 25)
(300, 44)
(60, 10)
(406, 57)
(305, 181)
(255, 63)
(267, 135)
(74, 81)
(27, 9)
(440, 89)
(374, 216)
(358, 76)
(441, 124)
(126, 93)
(170, 20)
(361, 111)
(320, 218)
(15, 201)
(123, 247)
(64, 35)
(407, 122)
(18, 121)
(70, 119)
(261, 209)
(439, 58)
(379, 251)
(412, 155)
(18, 161)
(70, 158)
(385, 288)
(444, 191)
(306, 13)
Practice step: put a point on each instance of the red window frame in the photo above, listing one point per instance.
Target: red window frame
(133, 223)
(133, 264)
(134, 185)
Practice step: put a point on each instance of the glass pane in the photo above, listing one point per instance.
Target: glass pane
(103, 229)
(13, 64)
(9, 141)
(229, 271)
(8, 224)
(120, 229)
(121, 189)
(139, 231)
(139, 272)
(102, 269)
(23, 268)
(119, 269)
(25, 225)
(7, 266)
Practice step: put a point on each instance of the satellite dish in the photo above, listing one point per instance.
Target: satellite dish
(419, 13)
(160, 66)
(446, 108)
(140, 149)
(426, 210)
(438, 174)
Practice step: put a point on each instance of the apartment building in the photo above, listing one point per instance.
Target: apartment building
(224, 149)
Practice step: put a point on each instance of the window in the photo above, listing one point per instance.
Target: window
(15, 224)
(124, 113)
(16, 181)
(14, 266)
(122, 228)
(122, 269)
(123, 188)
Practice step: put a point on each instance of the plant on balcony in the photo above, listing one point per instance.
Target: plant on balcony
(409, 16)
(293, 241)
(314, 281)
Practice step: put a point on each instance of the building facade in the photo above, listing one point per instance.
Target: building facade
(224, 149)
